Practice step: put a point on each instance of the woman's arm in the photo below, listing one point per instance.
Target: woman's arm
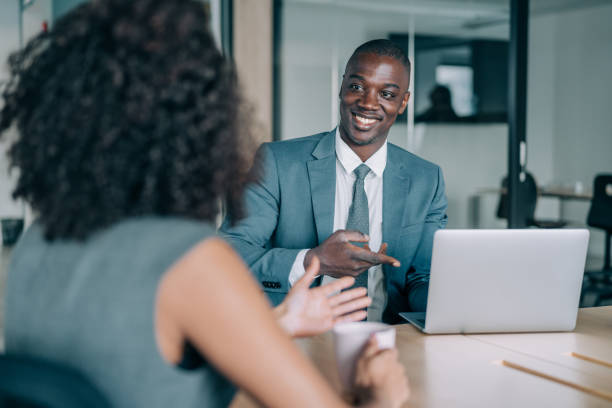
(209, 297)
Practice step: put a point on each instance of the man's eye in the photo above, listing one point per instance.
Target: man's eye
(355, 87)
(387, 94)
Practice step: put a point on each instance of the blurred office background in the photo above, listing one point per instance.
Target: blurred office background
(291, 54)
(463, 45)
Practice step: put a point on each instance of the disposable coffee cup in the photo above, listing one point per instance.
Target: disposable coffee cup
(350, 339)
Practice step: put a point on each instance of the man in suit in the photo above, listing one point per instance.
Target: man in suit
(366, 208)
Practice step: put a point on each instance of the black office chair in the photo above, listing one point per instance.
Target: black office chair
(27, 382)
(529, 195)
(600, 213)
(599, 283)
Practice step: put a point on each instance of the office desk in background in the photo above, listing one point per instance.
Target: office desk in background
(464, 370)
(563, 194)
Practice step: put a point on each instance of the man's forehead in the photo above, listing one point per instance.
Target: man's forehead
(382, 66)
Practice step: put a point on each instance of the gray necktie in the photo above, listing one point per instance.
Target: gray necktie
(359, 215)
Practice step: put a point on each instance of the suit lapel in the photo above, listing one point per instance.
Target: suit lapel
(396, 187)
(322, 192)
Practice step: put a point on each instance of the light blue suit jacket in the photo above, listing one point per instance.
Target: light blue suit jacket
(291, 207)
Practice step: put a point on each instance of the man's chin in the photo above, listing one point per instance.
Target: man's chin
(362, 141)
(358, 137)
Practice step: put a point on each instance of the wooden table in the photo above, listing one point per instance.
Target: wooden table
(464, 370)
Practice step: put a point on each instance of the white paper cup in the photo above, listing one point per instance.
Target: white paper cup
(350, 340)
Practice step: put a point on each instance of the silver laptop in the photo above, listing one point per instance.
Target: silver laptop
(485, 281)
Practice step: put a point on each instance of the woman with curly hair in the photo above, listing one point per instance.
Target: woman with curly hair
(131, 135)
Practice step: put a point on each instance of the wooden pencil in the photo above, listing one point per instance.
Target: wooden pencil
(591, 391)
(591, 359)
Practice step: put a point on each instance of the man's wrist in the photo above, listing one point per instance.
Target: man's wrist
(308, 257)
(297, 268)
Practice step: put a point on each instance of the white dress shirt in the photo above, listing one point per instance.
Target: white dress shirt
(347, 161)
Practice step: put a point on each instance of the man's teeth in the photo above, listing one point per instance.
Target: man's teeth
(364, 121)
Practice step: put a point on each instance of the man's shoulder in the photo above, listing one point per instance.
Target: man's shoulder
(399, 155)
(297, 146)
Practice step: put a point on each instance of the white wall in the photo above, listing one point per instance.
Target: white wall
(33, 18)
(9, 33)
(583, 63)
(9, 42)
(540, 110)
(569, 110)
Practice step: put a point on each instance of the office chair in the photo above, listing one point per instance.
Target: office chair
(27, 382)
(600, 213)
(529, 195)
(599, 283)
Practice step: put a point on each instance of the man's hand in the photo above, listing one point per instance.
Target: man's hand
(308, 312)
(339, 257)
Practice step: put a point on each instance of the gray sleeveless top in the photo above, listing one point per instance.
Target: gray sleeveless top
(90, 305)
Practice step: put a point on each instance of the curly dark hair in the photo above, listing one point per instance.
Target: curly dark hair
(126, 108)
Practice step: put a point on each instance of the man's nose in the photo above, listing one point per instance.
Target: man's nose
(369, 101)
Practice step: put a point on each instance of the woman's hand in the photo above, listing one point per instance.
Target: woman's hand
(380, 380)
(307, 312)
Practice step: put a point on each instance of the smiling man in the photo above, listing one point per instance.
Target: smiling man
(366, 208)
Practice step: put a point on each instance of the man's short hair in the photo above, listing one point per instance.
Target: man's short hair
(382, 47)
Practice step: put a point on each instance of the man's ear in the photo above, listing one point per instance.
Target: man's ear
(404, 103)
(341, 86)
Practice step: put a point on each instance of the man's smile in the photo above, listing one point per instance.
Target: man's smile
(363, 122)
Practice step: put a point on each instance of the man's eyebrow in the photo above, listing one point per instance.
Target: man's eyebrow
(388, 85)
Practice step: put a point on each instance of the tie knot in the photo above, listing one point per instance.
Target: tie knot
(361, 171)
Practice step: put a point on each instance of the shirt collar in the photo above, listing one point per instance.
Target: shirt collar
(349, 159)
